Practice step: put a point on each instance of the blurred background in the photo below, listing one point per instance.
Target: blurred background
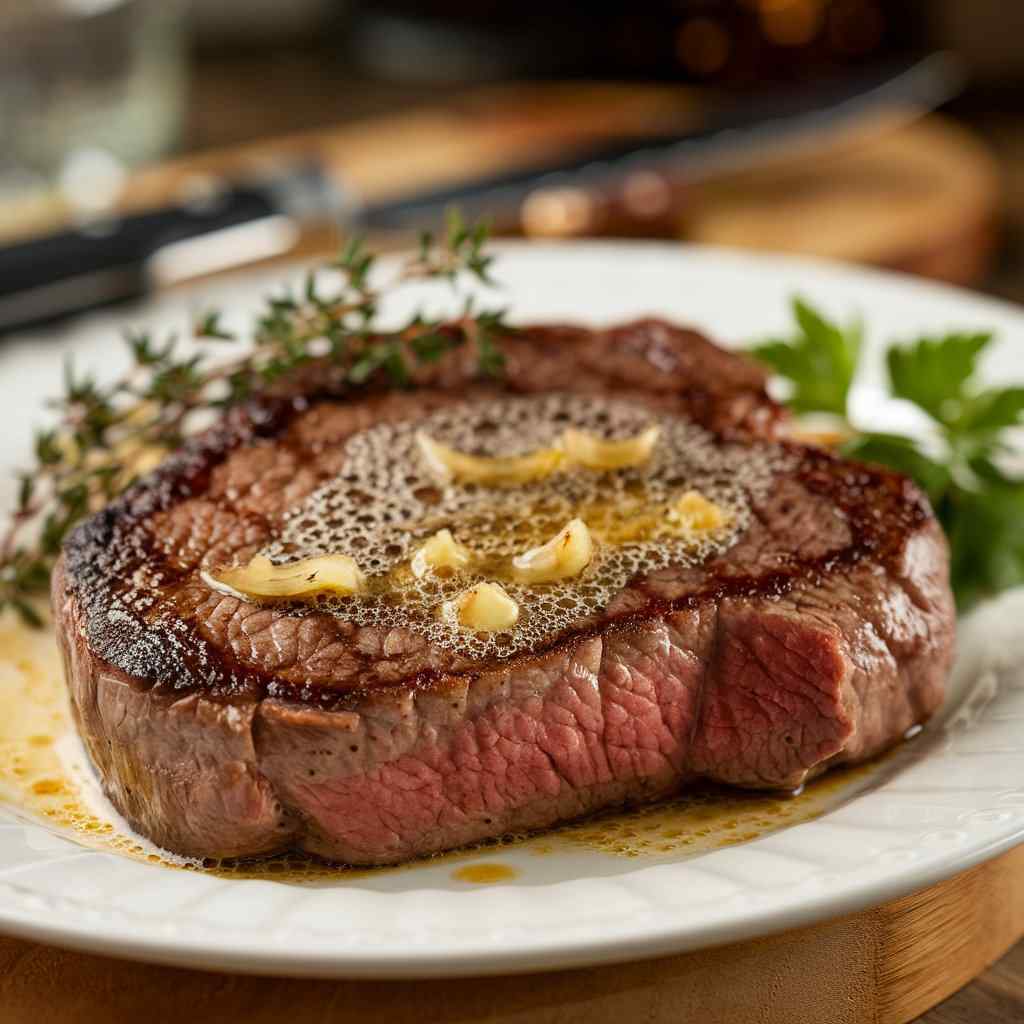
(113, 108)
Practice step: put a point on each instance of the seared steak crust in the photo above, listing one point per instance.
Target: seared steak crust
(221, 728)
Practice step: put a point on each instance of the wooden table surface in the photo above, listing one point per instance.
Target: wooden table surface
(314, 96)
(997, 997)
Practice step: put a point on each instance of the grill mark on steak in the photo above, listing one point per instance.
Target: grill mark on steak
(225, 729)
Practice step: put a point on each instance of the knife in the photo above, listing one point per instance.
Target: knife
(750, 134)
(215, 226)
(223, 226)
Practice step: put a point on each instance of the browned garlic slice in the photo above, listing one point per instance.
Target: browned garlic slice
(593, 452)
(566, 555)
(441, 551)
(485, 607)
(692, 511)
(326, 574)
(446, 464)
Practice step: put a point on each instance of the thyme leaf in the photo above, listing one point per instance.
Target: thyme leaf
(108, 435)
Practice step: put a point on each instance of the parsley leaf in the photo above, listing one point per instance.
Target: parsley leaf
(984, 521)
(937, 375)
(980, 506)
(988, 412)
(820, 360)
(933, 372)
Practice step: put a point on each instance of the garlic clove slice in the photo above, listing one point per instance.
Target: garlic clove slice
(326, 574)
(693, 512)
(485, 608)
(447, 465)
(566, 555)
(441, 551)
(585, 449)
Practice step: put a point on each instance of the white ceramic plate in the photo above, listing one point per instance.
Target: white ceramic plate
(949, 799)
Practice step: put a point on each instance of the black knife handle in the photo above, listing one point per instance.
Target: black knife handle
(125, 242)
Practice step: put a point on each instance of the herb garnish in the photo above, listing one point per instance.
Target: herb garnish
(107, 435)
(979, 502)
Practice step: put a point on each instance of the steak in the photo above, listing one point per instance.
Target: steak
(223, 728)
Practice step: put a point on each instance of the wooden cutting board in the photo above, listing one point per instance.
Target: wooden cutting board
(883, 966)
(923, 199)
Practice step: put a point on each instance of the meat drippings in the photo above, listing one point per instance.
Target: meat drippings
(42, 770)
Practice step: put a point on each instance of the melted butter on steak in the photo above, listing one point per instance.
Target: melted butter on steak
(383, 504)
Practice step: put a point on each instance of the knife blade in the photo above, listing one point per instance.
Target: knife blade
(748, 135)
(230, 225)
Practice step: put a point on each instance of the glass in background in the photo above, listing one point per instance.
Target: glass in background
(88, 88)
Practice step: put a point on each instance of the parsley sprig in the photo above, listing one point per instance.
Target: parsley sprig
(963, 467)
(108, 434)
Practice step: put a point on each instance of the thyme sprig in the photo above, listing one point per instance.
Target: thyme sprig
(109, 434)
